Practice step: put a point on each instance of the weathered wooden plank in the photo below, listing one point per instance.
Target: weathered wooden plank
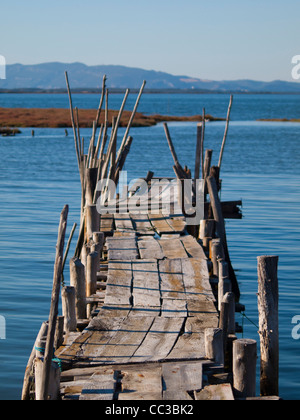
(103, 330)
(142, 225)
(182, 376)
(126, 341)
(195, 278)
(177, 223)
(107, 224)
(193, 248)
(146, 290)
(140, 381)
(174, 308)
(221, 392)
(160, 224)
(119, 283)
(172, 286)
(173, 248)
(124, 248)
(150, 248)
(160, 340)
(197, 307)
(123, 222)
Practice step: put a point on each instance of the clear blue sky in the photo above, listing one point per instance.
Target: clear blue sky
(210, 39)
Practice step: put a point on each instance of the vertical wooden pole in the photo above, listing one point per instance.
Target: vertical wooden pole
(268, 297)
(54, 303)
(68, 308)
(91, 273)
(77, 280)
(214, 345)
(92, 221)
(244, 368)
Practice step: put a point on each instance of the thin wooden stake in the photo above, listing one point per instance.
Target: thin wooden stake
(54, 302)
(226, 132)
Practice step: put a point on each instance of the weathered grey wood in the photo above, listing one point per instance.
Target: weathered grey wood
(173, 248)
(68, 295)
(268, 297)
(54, 304)
(207, 229)
(224, 285)
(221, 392)
(193, 248)
(199, 152)
(119, 283)
(77, 280)
(124, 344)
(244, 368)
(92, 221)
(217, 254)
(123, 222)
(123, 248)
(160, 340)
(100, 387)
(220, 226)
(145, 290)
(174, 308)
(91, 273)
(172, 286)
(226, 131)
(29, 368)
(54, 381)
(214, 345)
(160, 224)
(142, 224)
(141, 381)
(107, 224)
(181, 376)
(150, 248)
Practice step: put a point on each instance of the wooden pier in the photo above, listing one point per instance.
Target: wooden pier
(150, 310)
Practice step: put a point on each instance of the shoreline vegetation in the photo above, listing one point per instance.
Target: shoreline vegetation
(60, 118)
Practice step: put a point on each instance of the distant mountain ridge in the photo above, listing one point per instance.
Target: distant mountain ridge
(49, 76)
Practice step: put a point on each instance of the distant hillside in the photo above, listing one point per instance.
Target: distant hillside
(50, 76)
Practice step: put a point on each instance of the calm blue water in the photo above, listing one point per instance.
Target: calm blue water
(39, 176)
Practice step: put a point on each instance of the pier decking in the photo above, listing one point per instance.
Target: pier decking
(146, 340)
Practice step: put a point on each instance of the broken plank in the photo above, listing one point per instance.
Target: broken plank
(193, 248)
(221, 392)
(159, 341)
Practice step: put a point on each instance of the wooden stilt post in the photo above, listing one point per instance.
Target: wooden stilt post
(244, 368)
(68, 295)
(214, 345)
(268, 324)
(77, 280)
